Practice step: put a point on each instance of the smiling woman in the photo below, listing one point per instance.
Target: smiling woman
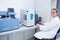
(54, 12)
(49, 30)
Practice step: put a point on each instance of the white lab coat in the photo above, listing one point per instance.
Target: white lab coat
(48, 30)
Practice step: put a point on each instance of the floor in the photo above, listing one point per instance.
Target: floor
(58, 39)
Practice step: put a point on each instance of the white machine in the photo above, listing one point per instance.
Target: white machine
(28, 17)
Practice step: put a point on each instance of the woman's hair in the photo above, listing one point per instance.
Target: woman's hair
(55, 10)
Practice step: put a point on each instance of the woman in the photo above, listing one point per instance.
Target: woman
(49, 30)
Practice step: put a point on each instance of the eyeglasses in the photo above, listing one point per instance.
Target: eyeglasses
(52, 12)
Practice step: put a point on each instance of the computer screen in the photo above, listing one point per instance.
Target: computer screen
(10, 9)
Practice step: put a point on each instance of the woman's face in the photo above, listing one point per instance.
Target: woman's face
(54, 13)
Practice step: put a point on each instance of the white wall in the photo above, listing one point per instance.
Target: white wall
(43, 9)
(17, 4)
(42, 6)
(53, 3)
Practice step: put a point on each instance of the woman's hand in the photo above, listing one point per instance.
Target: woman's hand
(38, 25)
(42, 22)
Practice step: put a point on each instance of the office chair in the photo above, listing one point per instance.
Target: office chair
(58, 34)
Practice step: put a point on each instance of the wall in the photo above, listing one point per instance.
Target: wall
(17, 4)
(43, 9)
(53, 3)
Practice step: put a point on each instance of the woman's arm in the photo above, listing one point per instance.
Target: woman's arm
(49, 25)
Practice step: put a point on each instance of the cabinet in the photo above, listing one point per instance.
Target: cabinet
(24, 33)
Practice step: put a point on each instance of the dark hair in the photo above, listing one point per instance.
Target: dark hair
(55, 10)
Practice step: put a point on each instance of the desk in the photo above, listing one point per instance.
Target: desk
(23, 33)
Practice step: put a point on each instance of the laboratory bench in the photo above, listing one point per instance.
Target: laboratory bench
(23, 33)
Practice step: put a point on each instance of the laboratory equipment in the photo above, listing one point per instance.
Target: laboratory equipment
(11, 12)
(8, 22)
(3, 14)
(28, 17)
(36, 19)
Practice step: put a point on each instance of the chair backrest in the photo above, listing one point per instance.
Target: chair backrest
(58, 34)
(58, 30)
